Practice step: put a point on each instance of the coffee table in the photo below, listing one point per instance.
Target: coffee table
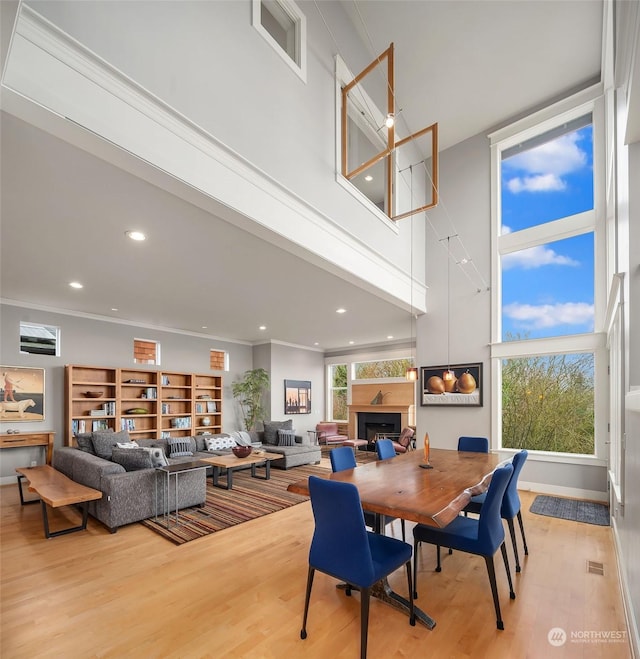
(232, 463)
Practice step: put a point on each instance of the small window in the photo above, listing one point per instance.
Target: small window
(284, 27)
(218, 360)
(146, 352)
(384, 368)
(338, 410)
(36, 339)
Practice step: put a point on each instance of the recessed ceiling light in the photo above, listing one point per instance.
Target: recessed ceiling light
(351, 343)
(75, 284)
(114, 309)
(390, 336)
(135, 235)
(316, 343)
(368, 177)
(204, 327)
(341, 310)
(262, 328)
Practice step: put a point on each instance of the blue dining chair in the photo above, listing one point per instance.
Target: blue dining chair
(384, 449)
(343, 458)
(481, 536)
(473, 444)
(510, 505)
(343, 548)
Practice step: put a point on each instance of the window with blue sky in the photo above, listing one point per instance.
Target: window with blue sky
(548, 287)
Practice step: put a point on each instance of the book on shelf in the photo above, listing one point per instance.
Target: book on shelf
(199, 408)
(151, 392)
(101, 424)
(165, 381)
(127, 424)
(78, 426)
(165, 434)
(99, 412)
(166, 408)
(181, 422)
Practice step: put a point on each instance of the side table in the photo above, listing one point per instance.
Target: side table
(163, 477)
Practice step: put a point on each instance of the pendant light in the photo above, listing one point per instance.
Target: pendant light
(449, 377)
(411, 373)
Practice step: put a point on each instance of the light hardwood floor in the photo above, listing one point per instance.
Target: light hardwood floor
(240, 593)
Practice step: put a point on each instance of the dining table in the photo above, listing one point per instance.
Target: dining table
(407, 486)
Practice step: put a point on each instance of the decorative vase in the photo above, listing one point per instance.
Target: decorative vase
(206, 421)
(426, 447)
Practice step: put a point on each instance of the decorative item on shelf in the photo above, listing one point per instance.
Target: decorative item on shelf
(204, 397)
(242, 451)
(377, 399)
(137, 410)
(92, 394)
(206, 421)
(135, 381)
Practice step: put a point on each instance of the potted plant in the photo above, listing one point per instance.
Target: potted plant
(249, 393)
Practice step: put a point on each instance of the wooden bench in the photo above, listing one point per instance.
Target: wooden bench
(56, 490)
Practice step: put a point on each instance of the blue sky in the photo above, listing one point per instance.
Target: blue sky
(548, 290)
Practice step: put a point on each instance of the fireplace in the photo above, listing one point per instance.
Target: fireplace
(371, 423)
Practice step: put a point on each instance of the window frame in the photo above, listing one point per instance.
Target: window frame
(588, 101)
(27, 323)
(291, 9)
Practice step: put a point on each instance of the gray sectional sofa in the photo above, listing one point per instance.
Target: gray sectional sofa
(129, 490)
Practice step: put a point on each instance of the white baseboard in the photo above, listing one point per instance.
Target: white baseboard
(629, 612)
(561, 491)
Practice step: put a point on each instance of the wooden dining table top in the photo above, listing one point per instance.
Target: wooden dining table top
(399, 487)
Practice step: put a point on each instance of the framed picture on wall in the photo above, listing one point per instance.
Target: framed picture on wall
(297, 397)
(22, 394)
(457, 385)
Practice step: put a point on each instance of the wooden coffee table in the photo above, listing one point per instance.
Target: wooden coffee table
(232, 463)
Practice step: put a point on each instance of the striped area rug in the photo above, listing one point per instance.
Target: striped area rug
(249, 498)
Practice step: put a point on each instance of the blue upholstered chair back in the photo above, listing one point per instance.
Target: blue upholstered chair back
(342, 458)
(384, 448)
(511, 499)
(490, 528)
(340, 546)
(474, 444)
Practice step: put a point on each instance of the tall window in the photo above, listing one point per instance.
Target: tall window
(381, 368)
(544, 273)
(338, 392)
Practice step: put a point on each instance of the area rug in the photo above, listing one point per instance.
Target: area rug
(249, 498)
(571, 509)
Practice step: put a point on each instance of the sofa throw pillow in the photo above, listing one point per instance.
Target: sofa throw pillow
(132, 459)
(158, 458)
(219, 443)
(286, 437)
(103, 442)
(180, 447)
(83, 440)
(127, 445)
(271, 430)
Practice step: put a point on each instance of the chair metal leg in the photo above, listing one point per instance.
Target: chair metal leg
(415, 569)
(494, 590)
(365, 594)
(512, 533)
(404, 535)
(412, 614)
(505, 558)
(438, 566)
(524, 539)
(303, 631)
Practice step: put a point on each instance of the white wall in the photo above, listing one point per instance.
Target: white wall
(206, 60)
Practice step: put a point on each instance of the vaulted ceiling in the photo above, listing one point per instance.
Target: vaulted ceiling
(471, 66)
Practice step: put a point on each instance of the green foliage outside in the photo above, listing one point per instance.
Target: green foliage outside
(387, 368)
(548, 403)
(339, 392)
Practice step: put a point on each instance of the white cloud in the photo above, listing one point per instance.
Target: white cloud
(531, 316)
(546, 164)
(540, 183)
(535, 257)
